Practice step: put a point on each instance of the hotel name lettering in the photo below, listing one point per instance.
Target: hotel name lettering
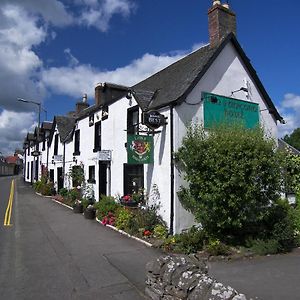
(219, 110)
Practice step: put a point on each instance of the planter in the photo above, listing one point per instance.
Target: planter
(129, 204)
(90, 214)
(78, 208)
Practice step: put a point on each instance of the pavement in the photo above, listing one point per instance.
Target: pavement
(51, 253)
(273, 277)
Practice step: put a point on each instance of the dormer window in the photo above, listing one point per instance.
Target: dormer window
(91, 120)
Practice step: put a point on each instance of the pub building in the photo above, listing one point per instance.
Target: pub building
(126, 140)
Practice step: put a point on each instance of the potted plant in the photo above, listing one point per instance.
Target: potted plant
(133, 200)
(90, 212)
(78, 207)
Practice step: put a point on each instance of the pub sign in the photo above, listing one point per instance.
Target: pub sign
(139, 149)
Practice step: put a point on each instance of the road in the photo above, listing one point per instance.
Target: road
(51, 253)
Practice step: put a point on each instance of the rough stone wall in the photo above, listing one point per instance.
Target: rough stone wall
(174, 277)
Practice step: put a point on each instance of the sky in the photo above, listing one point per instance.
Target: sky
(54, 51)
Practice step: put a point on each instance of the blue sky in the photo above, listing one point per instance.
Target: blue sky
(55, 50)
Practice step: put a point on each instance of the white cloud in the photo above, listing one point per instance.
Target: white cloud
(99, 13)
(73, 61)
(13, 129)
(290, 110)
(81, 79)
(19, 32)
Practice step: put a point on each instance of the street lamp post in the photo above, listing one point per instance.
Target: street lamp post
(39, 106)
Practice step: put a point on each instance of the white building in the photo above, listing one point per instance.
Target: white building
(215, 83)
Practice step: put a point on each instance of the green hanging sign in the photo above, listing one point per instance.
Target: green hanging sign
(139, 149)
(224, 110)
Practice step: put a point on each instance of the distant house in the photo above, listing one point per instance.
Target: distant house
(125, 141)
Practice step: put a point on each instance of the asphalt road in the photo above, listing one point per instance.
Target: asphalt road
(51, 253)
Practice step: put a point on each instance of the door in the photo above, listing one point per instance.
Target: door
(52, 175)
(36, 176)
(60, 179)
(102, 178)
(31, 172)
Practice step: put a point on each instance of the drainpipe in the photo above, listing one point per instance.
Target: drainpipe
(47, 144)
(171, 170)
(64, 165)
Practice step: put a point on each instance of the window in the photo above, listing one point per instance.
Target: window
(104, 113)
(56, 144)
(91, 174)
(28, 166)
(44, 143)
(133, 120)
(97, 141)
(77, 142)
(91, 120)
(133, 178)
(28, 150)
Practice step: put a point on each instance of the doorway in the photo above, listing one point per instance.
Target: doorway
(60, 179)
(102, 178)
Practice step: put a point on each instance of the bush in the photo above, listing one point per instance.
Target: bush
(63, 192)
(264, 247)
(105, 205)
(124, 218)
(233, 177)
(215, 247)
(73, 194)
(187, 242)
(160, 231)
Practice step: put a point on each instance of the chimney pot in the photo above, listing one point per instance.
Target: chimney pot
(216, 2)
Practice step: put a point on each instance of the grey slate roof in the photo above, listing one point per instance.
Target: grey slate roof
(172, 84)
(65, 126)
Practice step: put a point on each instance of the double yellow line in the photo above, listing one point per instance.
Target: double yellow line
(9, 205)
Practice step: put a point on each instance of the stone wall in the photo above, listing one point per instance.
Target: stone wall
(175, 277)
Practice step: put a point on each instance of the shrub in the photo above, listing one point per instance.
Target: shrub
(147, 218)
(233, 176)
(187, 242)
(73, 194)
(160, 231)
(63, 192)
(264, 247)
(216, 247)
(124, 216)
(105, 205)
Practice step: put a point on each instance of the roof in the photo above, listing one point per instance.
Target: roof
(12, 159)
(65, 126)
(283, 145)
(172, 84)
(46, 125)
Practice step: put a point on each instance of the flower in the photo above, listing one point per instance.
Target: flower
(147, 233)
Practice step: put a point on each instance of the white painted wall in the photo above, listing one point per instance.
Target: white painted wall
(226, 74)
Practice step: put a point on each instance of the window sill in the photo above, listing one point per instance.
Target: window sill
(91, 181)
(76, 153)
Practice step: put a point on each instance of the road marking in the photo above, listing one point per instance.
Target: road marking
(9, 205)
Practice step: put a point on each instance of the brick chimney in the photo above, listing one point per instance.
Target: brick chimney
(99, 94)
(80, 106)
(221, 22)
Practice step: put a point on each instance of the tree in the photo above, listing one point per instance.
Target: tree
(233, 177)
(294, 138)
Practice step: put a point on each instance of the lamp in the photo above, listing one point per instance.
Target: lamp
(244, 89)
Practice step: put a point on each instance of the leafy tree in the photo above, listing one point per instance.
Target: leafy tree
(233, 177)
(294, 138)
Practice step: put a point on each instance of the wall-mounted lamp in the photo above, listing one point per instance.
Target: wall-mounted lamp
(244, 89)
